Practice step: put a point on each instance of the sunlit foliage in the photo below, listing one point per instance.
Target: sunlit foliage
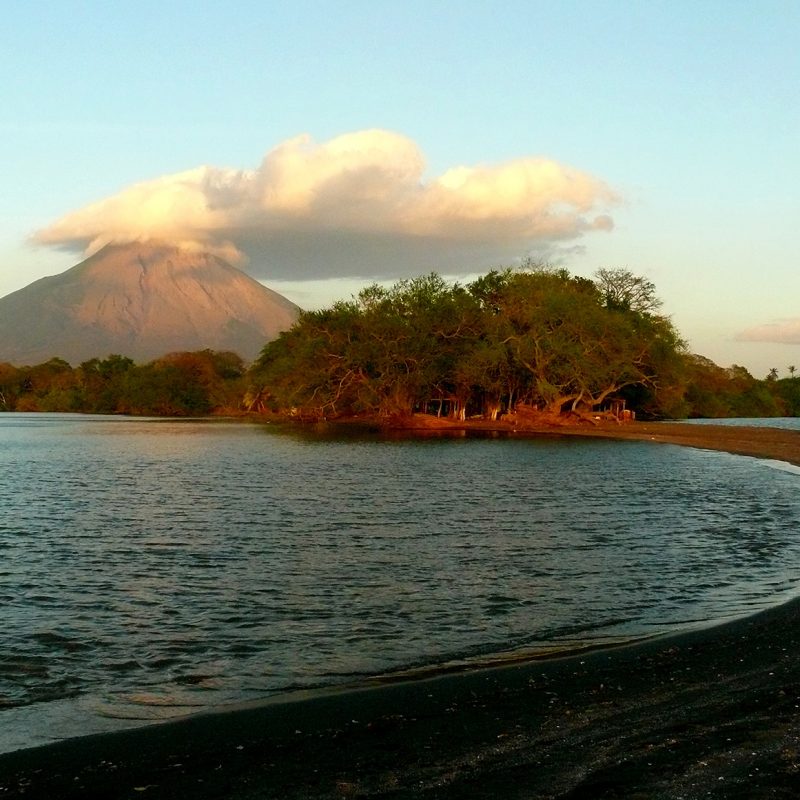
(178, 384)
(536, 336)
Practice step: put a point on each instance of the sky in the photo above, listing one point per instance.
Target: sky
(322, 146)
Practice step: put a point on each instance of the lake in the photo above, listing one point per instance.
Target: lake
(154, 568)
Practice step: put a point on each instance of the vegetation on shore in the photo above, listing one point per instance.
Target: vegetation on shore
(534, 341)
(535, 338)
(531, 341)
(179, 384)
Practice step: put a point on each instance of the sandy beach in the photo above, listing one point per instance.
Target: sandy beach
(770, 443)
(709, 713)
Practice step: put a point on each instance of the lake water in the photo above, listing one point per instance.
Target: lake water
(153, 568)
(784, 423)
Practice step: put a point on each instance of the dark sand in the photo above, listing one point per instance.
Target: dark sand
(771, 443)
(711, 713)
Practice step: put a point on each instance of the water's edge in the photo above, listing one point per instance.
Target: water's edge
(500, 605)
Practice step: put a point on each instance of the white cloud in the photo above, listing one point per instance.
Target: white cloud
(784, 331)
(357, 205)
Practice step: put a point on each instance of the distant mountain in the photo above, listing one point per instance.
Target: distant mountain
(141, 301)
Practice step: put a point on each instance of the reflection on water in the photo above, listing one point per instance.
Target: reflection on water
(152, 568)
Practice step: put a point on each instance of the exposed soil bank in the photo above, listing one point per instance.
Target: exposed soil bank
(713, 713)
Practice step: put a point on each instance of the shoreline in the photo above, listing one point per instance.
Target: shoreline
(767, 443)
(711, 712)
(780, 444)
(708, 712)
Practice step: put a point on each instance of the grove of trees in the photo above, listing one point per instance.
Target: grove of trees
(535, 337)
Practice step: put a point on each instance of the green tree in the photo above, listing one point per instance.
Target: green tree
(49, 386)
(102, 384)
(576, 349)
(788, 393)
(385, 352)
(621, 290)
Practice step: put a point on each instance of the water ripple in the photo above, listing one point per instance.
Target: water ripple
(151, 568)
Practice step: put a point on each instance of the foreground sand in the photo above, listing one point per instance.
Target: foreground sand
(711, 713)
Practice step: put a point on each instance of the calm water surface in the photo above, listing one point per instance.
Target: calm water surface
(152, 568)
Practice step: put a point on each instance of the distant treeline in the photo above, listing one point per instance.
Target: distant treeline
(712, 391)
(179, 384)
(536, 338)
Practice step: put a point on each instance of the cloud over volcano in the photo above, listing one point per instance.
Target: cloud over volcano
(358, 205)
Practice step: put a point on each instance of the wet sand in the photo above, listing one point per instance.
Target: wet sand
(710, 713)
(770, 443)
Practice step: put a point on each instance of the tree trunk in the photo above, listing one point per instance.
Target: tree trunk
(556, 404)
(491, 408)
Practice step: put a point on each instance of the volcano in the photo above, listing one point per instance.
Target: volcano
(141, 301)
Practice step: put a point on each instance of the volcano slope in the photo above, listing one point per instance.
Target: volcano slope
(141, 301)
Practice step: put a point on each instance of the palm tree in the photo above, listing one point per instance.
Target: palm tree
(773, 374)
(791, 369)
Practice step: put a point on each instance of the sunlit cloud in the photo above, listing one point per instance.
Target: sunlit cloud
(357, 205)
(784, 331)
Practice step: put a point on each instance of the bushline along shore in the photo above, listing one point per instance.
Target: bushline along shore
(708, 713)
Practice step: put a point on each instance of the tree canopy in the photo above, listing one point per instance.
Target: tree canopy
(537, 336)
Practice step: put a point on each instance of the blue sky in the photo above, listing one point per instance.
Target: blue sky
(678, 120)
